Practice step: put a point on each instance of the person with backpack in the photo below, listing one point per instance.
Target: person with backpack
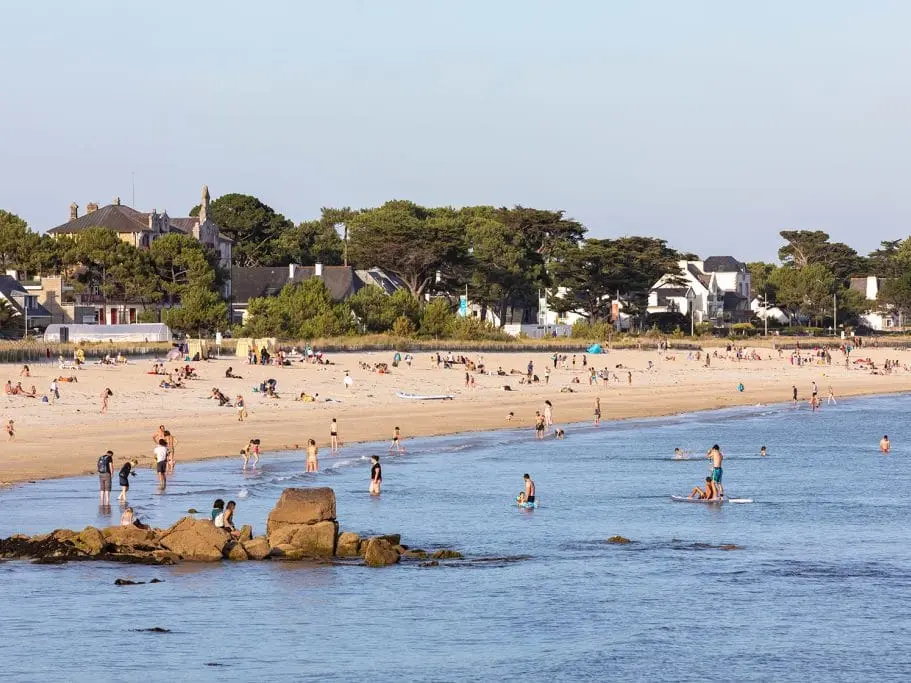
(105, 473)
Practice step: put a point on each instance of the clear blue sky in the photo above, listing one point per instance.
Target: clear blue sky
(713, 124)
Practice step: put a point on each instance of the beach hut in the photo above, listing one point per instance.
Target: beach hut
(139, 332)
(200, 346)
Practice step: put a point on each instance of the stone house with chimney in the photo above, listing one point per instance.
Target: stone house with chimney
(134, 227)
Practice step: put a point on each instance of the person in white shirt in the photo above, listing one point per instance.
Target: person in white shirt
(161, 462)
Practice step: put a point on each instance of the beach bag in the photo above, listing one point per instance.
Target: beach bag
(219, 520)
(103, 464)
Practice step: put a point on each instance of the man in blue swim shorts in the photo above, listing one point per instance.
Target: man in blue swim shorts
(717, 458)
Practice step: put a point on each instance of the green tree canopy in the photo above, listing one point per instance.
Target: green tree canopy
(410, 241)
(809, 247)
(303, 310)
(181, 263)
(596, 271)
(252, 225)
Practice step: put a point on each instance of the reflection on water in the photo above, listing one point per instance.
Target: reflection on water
(814, 588)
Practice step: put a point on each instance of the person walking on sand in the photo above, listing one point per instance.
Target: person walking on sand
(105, 395)
(794, 394)
(312, 453)
(349, 381)
(830, 400)
(241, 408)
(376, 475)
(333, 436)
(11, 430)
(885, 446)
(105, 473)
(54, 389)
(597, 411)
(717, 457)
(161, 463)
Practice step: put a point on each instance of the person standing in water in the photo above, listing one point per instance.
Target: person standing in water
(333, 436)
(128, 469)
(105, 473)
(885, 445)
(597, 411)
(831, 398)
(717, 458)
(161, 463)
(396, 444)
(376, 476)
(312, 460)
(548, 414)
(794, 393)
(529, 488)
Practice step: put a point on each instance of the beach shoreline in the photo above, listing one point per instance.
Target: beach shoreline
(64, 438)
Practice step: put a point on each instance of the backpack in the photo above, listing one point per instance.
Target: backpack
(103, 464)
(219, 520)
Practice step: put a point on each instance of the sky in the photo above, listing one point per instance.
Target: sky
(711, 124)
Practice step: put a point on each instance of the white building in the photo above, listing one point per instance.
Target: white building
(716, 290)
(877, 317)
(773, 312)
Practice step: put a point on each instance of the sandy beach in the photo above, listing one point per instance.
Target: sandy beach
(65, 437)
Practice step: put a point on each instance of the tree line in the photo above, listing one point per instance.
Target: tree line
(505, 256)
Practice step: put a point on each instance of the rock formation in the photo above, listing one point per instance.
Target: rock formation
(301, 526)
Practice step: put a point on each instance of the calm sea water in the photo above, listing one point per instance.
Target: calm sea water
(819, 590)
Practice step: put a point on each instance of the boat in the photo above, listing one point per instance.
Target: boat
(704, 501)
(425, 397)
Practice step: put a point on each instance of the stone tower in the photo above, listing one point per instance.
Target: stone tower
(204, 205)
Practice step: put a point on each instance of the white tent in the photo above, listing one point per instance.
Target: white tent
(140, 332)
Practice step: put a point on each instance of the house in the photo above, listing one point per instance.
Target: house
(877, 317)
(141, 229)
(261, 281)
(774, 313)
(33, 314)
(715, 290)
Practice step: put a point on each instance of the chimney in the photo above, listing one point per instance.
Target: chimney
(116, 201)
(74, 211)
(91, 206)
(291, 268)
(318, 269)
(204, 205)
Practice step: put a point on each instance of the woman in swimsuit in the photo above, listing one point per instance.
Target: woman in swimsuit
(376, 476)
(312, 459)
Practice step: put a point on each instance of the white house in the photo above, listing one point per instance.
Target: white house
(716, 290)
(877, 317)
(773, 312)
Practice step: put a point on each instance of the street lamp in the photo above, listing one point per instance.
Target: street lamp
(690, 302)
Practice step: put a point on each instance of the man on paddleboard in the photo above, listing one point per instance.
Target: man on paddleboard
(717, 457)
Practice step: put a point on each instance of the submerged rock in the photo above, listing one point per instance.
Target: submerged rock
(618, 540)
(446, 554)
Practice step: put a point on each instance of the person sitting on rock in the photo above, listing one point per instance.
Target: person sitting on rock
(225, 520)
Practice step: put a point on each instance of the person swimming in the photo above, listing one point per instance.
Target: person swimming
(762, 452)
(885, 445)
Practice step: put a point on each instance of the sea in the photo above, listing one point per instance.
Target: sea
(810, 581)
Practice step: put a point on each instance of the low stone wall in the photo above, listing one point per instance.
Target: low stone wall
(302, 526)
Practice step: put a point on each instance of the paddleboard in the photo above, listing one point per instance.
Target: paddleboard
(704, 501)
(425, 397)
(739, 500)
(528, 506)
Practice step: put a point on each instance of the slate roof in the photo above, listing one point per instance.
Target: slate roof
(723, 264)
(698, 274)
(258, 281)
(10, 289)
(119, 218)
